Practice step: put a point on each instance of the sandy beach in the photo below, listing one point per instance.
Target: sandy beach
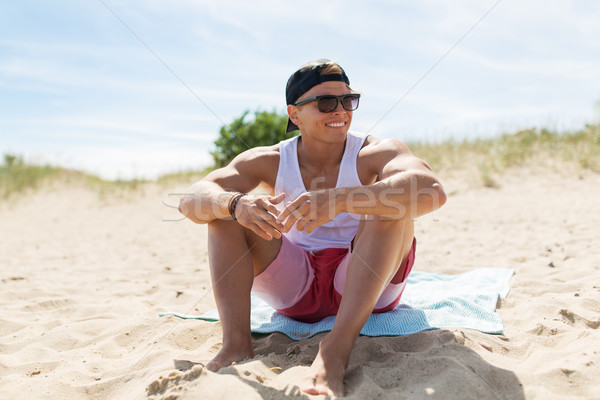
(83, 278)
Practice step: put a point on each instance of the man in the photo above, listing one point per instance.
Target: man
(335, 235)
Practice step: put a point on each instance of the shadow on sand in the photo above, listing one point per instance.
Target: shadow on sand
(427, 365)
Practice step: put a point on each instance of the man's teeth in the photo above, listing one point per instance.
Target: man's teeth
(337, 125)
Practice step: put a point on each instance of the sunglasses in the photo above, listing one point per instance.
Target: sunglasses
(329, 103)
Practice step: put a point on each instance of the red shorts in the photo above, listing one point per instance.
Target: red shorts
(308, 285)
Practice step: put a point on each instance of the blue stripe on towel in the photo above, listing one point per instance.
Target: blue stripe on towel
(430, 301)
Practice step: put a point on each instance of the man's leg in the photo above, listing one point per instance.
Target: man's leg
(235, 255)
(381, 249)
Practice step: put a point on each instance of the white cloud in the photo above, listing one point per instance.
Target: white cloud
(94, 81)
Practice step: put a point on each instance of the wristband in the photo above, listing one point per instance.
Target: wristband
(233, 203)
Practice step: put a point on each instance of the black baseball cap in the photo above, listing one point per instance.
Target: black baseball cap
(308, 76)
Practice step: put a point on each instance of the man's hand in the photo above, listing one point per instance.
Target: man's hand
(259, 214)
(309, 210)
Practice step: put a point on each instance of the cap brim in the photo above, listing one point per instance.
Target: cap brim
(291, 127)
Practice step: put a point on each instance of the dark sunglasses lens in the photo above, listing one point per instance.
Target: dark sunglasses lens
(327, 104)
(350, 102)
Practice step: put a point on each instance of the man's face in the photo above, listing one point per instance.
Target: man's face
(331, 126)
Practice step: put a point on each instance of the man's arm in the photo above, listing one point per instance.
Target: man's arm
(208, 199)
(404, 187)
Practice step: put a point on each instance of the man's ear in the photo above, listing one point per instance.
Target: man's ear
(292, 111)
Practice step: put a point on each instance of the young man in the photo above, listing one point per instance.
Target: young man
(335, 235)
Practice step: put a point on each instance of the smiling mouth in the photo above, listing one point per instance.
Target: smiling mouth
(336, 124)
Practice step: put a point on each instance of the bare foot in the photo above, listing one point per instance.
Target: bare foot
(326, 374)
(228, 355)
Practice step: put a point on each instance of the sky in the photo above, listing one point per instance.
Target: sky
(126, 89)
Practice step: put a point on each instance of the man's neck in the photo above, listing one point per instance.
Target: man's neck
(320, 155)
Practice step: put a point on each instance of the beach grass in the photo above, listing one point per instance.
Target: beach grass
(189, 175)
(491, 157)
(486, 159)
(18, 176)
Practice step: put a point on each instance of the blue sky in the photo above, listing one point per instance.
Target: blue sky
(138, 88)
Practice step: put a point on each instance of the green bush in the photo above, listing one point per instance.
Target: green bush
(265, 129)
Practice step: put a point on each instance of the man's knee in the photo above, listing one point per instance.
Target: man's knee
(223, 234)
(391, 239)
(231, 233)
(224, 226)
(386, 226)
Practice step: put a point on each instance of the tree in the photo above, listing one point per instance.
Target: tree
(265, 129)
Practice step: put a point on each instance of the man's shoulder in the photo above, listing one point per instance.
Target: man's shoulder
(376, 147)
(259, 161)
(261, 154)
(249, 169)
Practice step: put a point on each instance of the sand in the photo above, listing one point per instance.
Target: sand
(83, 277)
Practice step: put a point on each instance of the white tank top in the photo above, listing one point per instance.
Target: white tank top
(339, 232)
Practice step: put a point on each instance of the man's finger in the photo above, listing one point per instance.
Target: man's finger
(271, 220)
(285, 213)
(268, 230)
(314, 223)
(308, 218)
(267, 211)
(309, 226)
(256, 229)
(294, 214)
(301, 224)
(272, 210)
(277, 199)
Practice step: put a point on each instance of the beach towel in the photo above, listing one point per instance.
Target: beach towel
(430, 301)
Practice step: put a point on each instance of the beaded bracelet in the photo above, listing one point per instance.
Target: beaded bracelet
(233, 203)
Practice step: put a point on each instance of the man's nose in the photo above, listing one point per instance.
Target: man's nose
(339, 108)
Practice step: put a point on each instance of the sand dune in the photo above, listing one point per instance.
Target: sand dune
(82, 279)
